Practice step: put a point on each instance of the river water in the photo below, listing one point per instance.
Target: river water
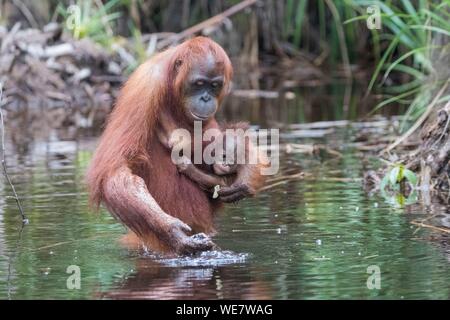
(313, 238)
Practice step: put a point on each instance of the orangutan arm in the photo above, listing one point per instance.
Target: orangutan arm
(127, 196)
(248, 181)
(205, 180)
(165, 129)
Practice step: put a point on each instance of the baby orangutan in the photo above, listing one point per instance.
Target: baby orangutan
(222, 173)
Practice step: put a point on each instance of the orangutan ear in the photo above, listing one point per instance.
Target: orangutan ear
(177, 65)
(228, 88)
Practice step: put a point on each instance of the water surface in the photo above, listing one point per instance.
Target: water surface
(307, 239)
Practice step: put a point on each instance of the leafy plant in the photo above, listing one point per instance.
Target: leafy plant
(392, 186)
(418, 37)
(396, 175)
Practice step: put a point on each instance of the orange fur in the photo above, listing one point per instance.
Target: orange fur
(131, 172)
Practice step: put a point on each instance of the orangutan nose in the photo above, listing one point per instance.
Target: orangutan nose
(205, 98)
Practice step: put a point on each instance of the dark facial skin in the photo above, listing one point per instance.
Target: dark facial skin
(201, 91)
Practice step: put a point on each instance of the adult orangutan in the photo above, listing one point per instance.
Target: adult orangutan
(132, 173)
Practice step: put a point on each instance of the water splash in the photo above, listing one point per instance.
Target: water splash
(208, 258)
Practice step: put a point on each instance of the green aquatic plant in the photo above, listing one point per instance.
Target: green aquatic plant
(393, 188)
(396, 176)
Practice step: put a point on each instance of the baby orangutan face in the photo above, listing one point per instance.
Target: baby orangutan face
(223, 169)
(229, 164)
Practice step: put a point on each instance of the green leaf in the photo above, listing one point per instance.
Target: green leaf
(400, 175)
(403, 57)
(384, 182)
(400, 199)
(410, 176)
(431, 28)
(393, 175)
(394, 99)
(382, 63)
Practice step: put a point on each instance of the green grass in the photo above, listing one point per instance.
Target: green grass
(409, 34)
(90, 19)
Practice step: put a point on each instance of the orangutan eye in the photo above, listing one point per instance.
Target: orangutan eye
(216, 84)
(199, 83)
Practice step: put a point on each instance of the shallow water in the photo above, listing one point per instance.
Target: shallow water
(308, 239)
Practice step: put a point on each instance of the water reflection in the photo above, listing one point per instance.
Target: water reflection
(155, 280)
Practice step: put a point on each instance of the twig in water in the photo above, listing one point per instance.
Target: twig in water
(16, 197)
(429, 226)
(283, 180)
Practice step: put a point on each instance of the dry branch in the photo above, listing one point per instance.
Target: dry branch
(209, 23)
(5, 171)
